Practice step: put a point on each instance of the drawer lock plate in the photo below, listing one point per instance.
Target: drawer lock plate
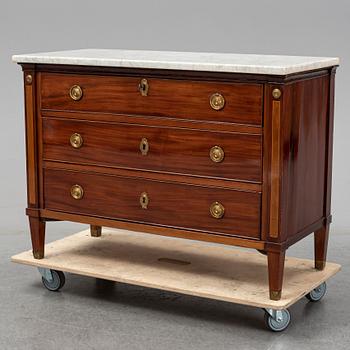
(144, 87)
(144, 200)
(144, 146)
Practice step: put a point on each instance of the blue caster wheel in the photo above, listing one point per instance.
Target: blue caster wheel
(53, 280)
(317, 293)
(277, 320)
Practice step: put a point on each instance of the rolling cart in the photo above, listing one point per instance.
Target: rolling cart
(188, 267)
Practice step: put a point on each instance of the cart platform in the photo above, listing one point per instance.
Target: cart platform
(189, 267)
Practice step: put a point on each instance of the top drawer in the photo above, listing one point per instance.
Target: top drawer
(197, 100)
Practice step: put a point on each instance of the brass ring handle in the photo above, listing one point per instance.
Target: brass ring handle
(217, 210)
(77, 192)
(144, 146)
(76, 140)
(76, 92)
(217, 154)
(144, 200)
(144, 87)
(217, 101)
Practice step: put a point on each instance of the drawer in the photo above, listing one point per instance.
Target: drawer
(165, 97)
(165, 149)
(154, 202)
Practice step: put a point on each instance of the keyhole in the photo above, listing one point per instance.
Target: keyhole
(144, 200)
(143, 87)
(144, 146)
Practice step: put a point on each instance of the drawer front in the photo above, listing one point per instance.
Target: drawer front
(166, 98)
(154, 202)
(203, 153)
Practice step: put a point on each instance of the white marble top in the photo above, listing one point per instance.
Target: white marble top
(215, 62)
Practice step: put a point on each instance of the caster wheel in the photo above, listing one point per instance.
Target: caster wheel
(278, 323)
(317, 293)
(57, 282)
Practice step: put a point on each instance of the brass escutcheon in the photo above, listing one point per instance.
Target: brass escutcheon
(217, 101)
(76, 140)
(217, 210)
(76, 92)
(217, 154)
(144, 87)
(144, 200)
(276, 93)
(144, 146)
(77, 192)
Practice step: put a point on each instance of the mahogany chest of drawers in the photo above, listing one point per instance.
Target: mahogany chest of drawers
(233, 149)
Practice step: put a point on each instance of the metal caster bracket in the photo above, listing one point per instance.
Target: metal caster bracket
(277, 315)
(46, 273)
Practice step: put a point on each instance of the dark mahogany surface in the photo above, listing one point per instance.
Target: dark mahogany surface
(170, 149)
(175, 205)
(175, 98)
(304, 133)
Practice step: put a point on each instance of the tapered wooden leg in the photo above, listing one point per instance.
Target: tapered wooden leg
(37, 232)
(320, 247)
(95, 231)
(276, 268)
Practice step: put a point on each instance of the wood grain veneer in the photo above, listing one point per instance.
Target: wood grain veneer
(169, 204)
(171, 150)
(169, 98)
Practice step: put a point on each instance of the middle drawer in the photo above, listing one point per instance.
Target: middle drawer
(227, 155)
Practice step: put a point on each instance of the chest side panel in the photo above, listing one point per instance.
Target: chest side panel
(305, 122)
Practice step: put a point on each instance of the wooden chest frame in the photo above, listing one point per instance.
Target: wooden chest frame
(297, 136)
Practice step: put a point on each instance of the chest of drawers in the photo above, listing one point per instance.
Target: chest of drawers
(232, 149)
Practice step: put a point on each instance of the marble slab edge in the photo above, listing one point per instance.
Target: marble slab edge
(255, 64)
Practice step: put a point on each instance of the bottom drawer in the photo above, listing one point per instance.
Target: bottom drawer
(207, 209)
